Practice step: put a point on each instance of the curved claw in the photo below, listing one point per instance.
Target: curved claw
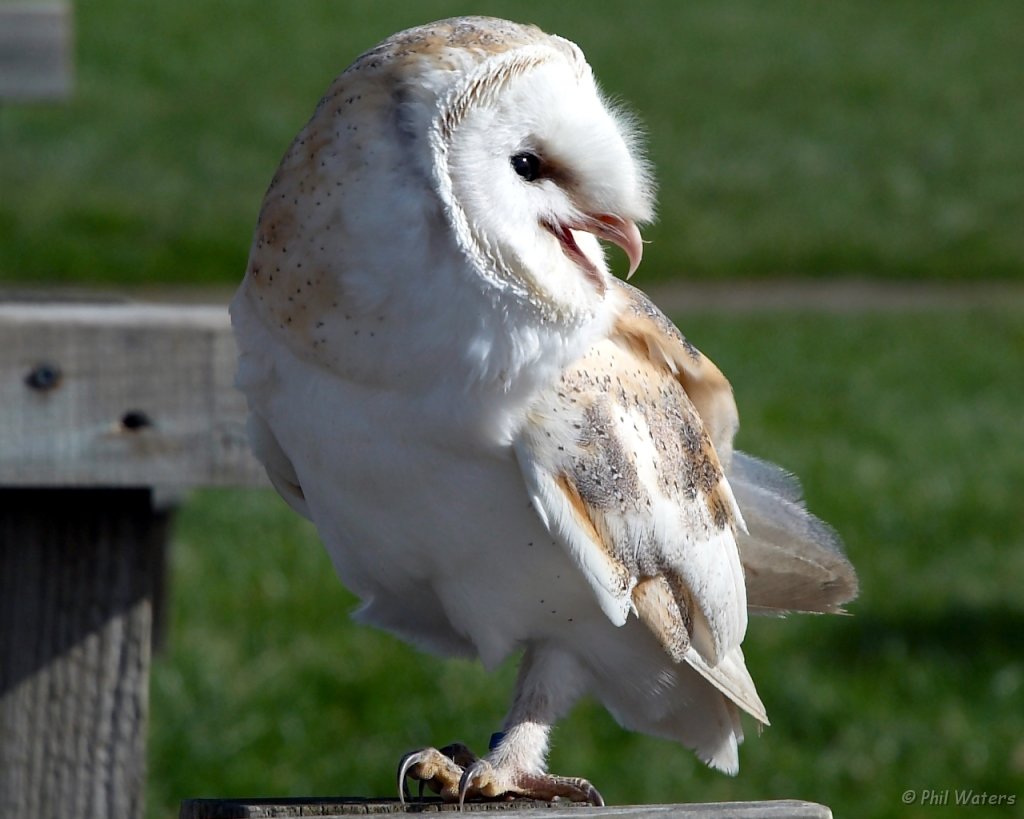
(471, 773)
(456, 773)
(438, 769)
(407, 761)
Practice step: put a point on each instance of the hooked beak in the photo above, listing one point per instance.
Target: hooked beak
(622, 232)
(608, 226)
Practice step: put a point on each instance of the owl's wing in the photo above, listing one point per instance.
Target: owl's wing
(620, 462)
(792, 560)
(278, 466)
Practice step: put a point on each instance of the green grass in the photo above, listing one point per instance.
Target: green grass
(792, 137)
(907, 434)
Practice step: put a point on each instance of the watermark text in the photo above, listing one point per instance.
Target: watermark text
(964, 797)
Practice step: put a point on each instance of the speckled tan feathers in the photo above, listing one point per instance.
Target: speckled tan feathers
(621, 463)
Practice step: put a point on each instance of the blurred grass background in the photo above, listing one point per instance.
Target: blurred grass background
(791, 139)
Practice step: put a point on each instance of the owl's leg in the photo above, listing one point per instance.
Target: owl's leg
(549, 683)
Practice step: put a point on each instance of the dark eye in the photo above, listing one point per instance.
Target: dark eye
(527, 165)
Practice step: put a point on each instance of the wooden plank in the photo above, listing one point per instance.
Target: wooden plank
(79, 569)
(121, 395)
(526, 809)
(35, 51)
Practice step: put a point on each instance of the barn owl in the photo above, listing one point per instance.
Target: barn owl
(504, 448)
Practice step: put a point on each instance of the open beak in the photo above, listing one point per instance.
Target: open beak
(608, 226)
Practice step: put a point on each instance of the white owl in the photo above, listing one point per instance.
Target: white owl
(504, 448)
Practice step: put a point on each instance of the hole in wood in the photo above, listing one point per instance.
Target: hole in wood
(44, 377)
(134, 420)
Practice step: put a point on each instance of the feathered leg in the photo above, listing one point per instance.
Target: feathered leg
(549, 683)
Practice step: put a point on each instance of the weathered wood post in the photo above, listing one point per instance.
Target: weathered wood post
(35, 51)
(78, 569)
(104, 411)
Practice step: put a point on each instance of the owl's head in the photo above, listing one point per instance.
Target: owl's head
(463, 159)
(532, 163)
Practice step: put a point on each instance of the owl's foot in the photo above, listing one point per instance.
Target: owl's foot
(490, 780)
(457, 774)
(438, 769)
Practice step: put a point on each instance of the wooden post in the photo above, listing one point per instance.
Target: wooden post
(104, 410)
(78, 570)
(35, 51)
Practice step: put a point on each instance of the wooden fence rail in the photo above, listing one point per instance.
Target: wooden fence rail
(106, 411)
(120, 395)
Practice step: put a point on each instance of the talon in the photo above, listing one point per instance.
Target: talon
(407, 761)
(457, 775)
(484, 780)
(464, 785)
(440, 770)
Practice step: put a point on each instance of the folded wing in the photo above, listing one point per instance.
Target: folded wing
(792, 560)
(623, 469)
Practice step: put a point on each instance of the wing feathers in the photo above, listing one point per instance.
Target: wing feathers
(563, 512)
(730, 676)
(620, 469)
(629, 462)
(658, 609)
(792, 560)
(653, 336)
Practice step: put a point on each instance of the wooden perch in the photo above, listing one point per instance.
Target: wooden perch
(524, 808)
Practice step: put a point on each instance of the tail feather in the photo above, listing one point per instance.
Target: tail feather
(730, 676)
(792, 560)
